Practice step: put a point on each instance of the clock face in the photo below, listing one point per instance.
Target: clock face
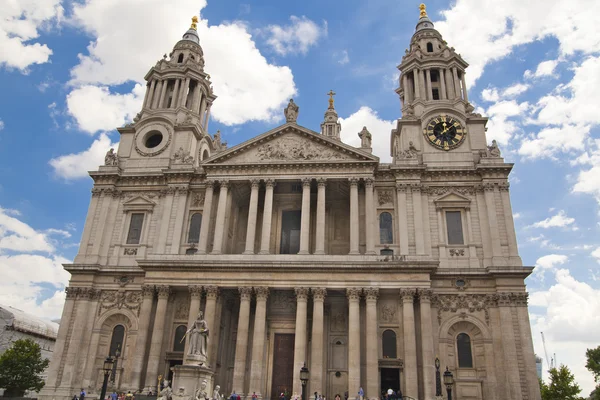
(444, 132)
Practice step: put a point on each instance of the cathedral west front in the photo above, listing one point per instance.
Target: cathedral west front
(300, 249)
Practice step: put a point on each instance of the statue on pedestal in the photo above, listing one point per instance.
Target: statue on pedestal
(216, 394)
(201, 392)
(198, 337)
(111, 159)
(291, 111)
(166, 393)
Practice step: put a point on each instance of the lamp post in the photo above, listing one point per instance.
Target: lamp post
(438, 381)
(304, 380)
(107, 369)
(448, 381)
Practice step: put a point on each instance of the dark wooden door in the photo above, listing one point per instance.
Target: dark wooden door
(283, 365)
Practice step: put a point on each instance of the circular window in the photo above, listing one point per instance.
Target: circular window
(460, 283)
(153, 139)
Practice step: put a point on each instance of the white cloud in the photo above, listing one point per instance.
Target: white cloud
(380, 131)
(19, 25)
(548, 263)
(515, 90)
(16, 235)
(545, 68)
(559, 220)
(297, 37)
(501, 125)
(551, 140)
(342, 57)
(596, 254)
(1, 124)
(77, 165)
(588, 180)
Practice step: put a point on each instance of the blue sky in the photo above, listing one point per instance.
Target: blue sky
(70, 72)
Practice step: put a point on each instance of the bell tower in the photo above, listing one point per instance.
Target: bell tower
(437, 118)
(330, 126)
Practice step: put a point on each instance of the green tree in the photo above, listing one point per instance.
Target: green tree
(595, 395)
(20, 368)
(562, 385)
(593, 362)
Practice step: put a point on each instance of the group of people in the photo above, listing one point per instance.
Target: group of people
(112, 396)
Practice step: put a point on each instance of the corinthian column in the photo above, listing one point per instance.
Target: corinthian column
(410, 343)
(252, 211)
(220, 222)
(158, 332)
(320, 236)
(241, 343)
(210, 311)
(300, 336)
(353, 339)
(206, 216)
(372, 352)
(305, 217)
(195, 295)
(354, 216)
(427, 353)
(139, 355)
(369, 216)
(258, 341)
(316, 354)
(265, 240)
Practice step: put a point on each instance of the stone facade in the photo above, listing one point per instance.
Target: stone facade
(276, 241)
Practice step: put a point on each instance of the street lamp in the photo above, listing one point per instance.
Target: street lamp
(448, 381)
(438, 381)
(304, 380)
(107, 368)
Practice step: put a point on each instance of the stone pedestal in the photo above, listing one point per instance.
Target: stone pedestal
(187, 379)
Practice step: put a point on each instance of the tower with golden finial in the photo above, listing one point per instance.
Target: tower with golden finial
(330, 126)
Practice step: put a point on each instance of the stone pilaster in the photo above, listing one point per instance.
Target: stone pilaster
(427, 353)
(511, 353)
(369, 217)
(74, 351)
(300, 336)
(372, 352)
(513, 250)
(317, 383)
(418, 219)
(220, 221)
(442, 72)
(157, 93)
(429, 88)
(258, 342)
(265, 241)
(490, 203)
(449, 85)
(195, 296)
(206, 216)
(464, 86)
(305, 217)
(353, 295)
(163, 92)
(354, 222)
(320, 234)
(252, 213)
(167, 207)
(181, 198)
(89, 342)
(411, 387)
(158, 331)
(241, 343)
(184, 92)
(402, 218)
(527, 346)
(210, 316)
(139, 355)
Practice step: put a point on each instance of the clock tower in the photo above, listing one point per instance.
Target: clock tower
(437, 119)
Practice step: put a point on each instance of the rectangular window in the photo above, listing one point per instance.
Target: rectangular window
(436, 94)
(454, 226)
(135, 228)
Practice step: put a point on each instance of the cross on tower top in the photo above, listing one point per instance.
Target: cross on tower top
(331, 94)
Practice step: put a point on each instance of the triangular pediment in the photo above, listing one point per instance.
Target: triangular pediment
(138, 203)
(452, 196)
(291, 143)
(452, 199)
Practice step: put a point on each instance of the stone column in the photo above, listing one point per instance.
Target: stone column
(353, 295)
(139, 355)
(181, 197)
(511, 353)
(210, 316)
(427, 353)
(513, 250)
(252, 212)
(220, 221)
(195, 296)
(441, 73)
(175, 94)
(206, 216)
(464, 85)
(320, 234)
(429, 88)
(184, 92)
(196, 100)
(148, 103)
(354, 216)
(457, 94)
(372, 350)
(163, 93)
(402, 218)
(158, 331)
(449, 85)
(258, 342)
(369, 217)
(207, 118)
(146, 94)
(418, 219)
(416, 80)
(317, 383)
(241, 343)
(527, 346)
(300, 336)
(490, 203)
(265, 240)
(202, 110)
(407, 94)
(167, 207)
(305, 217)
(411, 387)
(157, 92)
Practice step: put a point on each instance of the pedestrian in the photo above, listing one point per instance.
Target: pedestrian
(361, 393)
(113, 396)
(316, 396)
(74, 397)
(82, 394)
(338, 397)
(400, 394)
(254, 396)
(233, 396)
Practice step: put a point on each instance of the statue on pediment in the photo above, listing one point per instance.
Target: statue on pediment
(291, 111)
(365, 138)
(492, 151)
(111, 159)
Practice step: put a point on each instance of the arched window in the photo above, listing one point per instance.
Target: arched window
(205, 154)
(180, 59)
(116, 341)
(194, 233)
(178, 343)
(429, 47)
(386, 233)
(389, 344)
(463, 348)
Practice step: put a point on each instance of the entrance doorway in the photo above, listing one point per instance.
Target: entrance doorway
(390, 379)
(283, 365)
(290, 232)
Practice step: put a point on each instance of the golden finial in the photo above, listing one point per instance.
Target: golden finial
(331, 94)
(194, 22)
(423, 12)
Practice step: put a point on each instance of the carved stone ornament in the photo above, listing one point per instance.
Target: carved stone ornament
(409, 153)
(166, 131)
(198, 199)
(388, 312)
(282, 302)
(119, 299)
(441, 190)
(291, 111)
(182, 157)
(371, 293)
(130, 251)
(124, 280)
(408, 295)
(385, 197)
(290, 147)
(182, 308)
(353, 294)
(319, 294)
(472, 302)
(111, 159)
(457, 252)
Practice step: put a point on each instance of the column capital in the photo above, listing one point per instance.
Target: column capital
(322, 182)
(224, 184)
(195, 291)
(306, 182)
(262, 292)
(245, 292)
(71, 292)
(401, 187)
(147, 291)
(425, 295)
(504, 186)
(212, 292)
(319, 293)
(255, 183)
(163, 291)
(369, 182)
(416, 187)
(371, 293)
(489, 186)
(301, 293)
(353, 294)
(209, 183)
(353, 181)
(270, 183)
(408, 295)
